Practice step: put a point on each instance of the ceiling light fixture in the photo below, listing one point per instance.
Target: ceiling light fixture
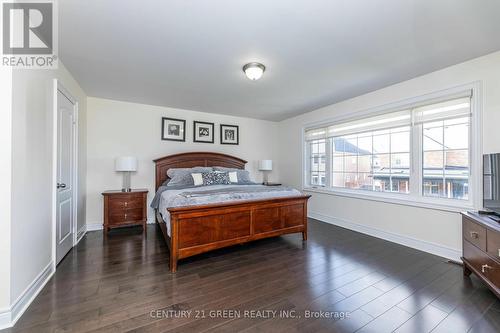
(254, 70)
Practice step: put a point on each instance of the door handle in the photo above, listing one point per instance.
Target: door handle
(474, 234)
(61, 185)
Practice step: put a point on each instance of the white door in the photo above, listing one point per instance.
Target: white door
(65, 175)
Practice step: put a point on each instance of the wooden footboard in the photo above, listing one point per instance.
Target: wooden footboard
(198, 229)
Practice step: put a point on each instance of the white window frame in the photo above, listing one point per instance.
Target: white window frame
(415, 197)
(307, 169)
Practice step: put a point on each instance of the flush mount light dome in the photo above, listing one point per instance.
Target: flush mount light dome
(254, 70)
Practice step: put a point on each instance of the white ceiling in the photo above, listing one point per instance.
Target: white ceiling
(188, 54)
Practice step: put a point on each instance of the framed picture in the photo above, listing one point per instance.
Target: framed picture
(203, 132)
(173, 129)
(229, 134)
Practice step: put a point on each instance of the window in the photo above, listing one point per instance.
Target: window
(317, 163)
(421, 151)
(374, 161)
(445, 135)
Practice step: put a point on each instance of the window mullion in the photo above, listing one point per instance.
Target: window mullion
(372, 160)
(390, 161)
(328, 162)
(474, 158)
(416, 152)
(357, 159)
(308, 152)
(445, 189)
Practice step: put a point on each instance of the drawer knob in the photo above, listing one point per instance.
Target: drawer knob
(125, 216)
(474, 234)
(126, 203)
(484, 268)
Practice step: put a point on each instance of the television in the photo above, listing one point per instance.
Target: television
(491, 183)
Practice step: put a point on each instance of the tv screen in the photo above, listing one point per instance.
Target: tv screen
(491, 182)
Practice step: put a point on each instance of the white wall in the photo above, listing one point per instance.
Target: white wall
(121, 128)
(32, 171)
(436, 227)
(5, 186)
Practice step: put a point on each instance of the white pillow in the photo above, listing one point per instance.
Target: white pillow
(233, 177)
(197, 178)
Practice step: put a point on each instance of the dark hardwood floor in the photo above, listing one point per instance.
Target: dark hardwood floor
(122, 284)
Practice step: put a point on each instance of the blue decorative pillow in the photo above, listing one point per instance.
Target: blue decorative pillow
(215, 178)
(182, 176)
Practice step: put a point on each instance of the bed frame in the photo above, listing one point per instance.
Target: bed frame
(198, 229)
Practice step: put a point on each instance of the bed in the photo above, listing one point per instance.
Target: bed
(197, 228)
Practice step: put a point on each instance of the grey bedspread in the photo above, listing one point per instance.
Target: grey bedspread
(167, 197)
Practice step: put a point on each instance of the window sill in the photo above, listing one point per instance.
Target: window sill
(447, 205)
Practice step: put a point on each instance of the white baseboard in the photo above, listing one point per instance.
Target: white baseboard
(81, 232)
(98, 225)
(433, 248)
(5, 318)
(94, 226)
(9, 317)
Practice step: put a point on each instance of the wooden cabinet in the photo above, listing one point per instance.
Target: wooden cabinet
(493, 244)
(124, 209)
(481, 249)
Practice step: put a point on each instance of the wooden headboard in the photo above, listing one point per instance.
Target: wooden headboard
(189, 160)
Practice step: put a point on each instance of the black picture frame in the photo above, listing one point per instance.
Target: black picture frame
(196, 133)
(224, 139)
(165, 135)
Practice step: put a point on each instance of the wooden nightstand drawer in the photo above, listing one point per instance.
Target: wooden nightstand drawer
(474, 233)
(128, 215)
(125, 202)
(125, 208)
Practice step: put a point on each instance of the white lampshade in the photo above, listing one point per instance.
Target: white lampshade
(126, 163)
(265, 165)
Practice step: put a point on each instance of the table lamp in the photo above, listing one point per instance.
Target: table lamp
(265, 166)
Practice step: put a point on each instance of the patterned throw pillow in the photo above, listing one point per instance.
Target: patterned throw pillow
(215, 178)
(242, 175)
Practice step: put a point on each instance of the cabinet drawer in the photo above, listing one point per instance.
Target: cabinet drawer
(488, 267)
(493, 244)
(126, 216)
(474, 233)
(125, 202)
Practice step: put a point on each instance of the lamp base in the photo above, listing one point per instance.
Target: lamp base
(126, 182)
(265, 178)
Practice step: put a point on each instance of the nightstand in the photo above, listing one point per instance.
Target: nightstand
(125, 209)
(272, 184)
